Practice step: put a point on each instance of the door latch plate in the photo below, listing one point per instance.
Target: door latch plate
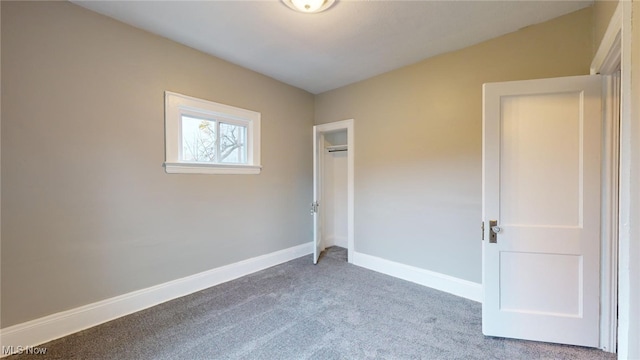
(493, 236)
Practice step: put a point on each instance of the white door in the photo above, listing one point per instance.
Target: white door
(318, 145)
(541, 186)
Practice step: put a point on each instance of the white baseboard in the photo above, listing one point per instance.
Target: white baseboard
(452, 285)
(42, 330)
(340, 241)
(332, 240)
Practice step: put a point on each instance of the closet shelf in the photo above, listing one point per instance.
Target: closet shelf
(333, 148)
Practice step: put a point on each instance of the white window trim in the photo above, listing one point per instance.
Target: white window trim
(177, 105)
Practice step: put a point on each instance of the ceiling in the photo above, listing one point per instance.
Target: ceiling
(352, 41)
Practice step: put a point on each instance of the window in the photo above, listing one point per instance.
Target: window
(204, 137)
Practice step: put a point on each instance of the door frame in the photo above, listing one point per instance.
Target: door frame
(607, 62)
(318, 133)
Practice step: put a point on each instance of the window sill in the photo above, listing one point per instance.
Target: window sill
(197, 168)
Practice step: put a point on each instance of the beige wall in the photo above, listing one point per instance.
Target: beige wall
(88, 211)
(602, 12)
(418, 136)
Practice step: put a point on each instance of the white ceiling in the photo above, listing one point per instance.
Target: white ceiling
(352, 41)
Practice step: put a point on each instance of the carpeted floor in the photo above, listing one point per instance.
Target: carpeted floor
(298, 310)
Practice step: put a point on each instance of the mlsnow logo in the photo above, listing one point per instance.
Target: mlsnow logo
(19, 350)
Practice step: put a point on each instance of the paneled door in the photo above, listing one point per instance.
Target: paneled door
(541, 209)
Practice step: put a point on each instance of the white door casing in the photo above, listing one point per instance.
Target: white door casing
(541, 182)
(318, 150)
(318, 140)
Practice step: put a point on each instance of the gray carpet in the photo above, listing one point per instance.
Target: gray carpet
(296, 310)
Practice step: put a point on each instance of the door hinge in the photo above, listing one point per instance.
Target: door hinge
(314, 207)
(482, 227)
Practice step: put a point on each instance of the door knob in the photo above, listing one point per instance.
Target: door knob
(494, 229)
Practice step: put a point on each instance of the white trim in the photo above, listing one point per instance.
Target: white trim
(351, 189)
(200, 168)
(609, 214)
(629, 204)
(318, 141)
(335, 241)
(339, 240)
(609, 53)
(0, 192)
(348, 125)
(42, 330)
(607, 61)
(449, 284)
(335, 126)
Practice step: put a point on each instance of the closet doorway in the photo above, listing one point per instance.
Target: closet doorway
(332, 207)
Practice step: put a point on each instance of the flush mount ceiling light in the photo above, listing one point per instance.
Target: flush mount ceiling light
(309, 6)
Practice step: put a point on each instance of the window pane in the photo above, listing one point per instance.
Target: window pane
(198, 139)
(233, 144)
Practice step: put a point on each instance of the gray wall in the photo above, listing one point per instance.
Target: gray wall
(88, 211)
(418, 142)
